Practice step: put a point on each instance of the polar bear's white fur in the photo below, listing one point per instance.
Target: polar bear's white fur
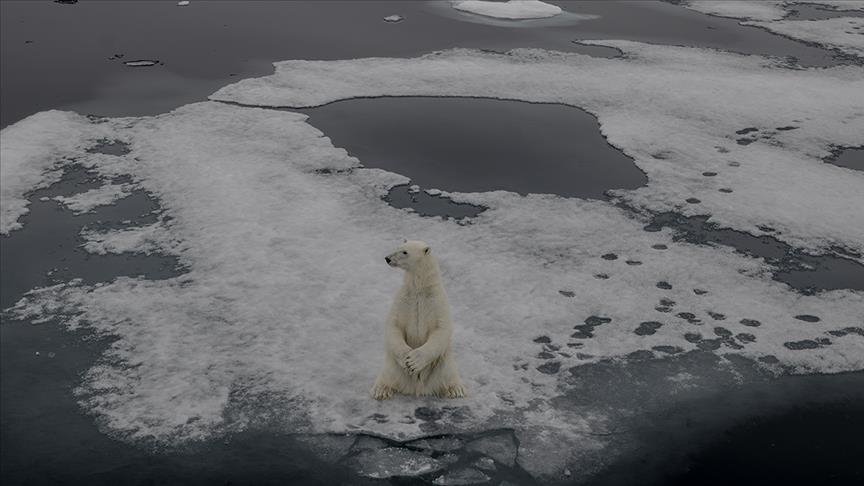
(418, 360)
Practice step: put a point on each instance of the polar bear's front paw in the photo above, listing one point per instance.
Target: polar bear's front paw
(417, 360)
(455, 391)
(381, 392)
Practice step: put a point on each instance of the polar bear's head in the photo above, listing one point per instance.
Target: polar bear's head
(409, 255)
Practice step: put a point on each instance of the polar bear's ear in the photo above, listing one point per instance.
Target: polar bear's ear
(426, 250)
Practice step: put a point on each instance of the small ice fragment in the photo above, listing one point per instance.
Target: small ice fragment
(567, 472)
(462, 476)
(393, 461)
(394, 18)
(37, 353)
(183, 3)
(414, 189)
(141, 63)
(433, 192)
(44, 198)
(500, 447)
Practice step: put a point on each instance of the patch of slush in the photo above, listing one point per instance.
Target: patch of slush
(661, 121)
(845, 34)
(148, 239)
(104, 195)
(511, 9)
(278, 322)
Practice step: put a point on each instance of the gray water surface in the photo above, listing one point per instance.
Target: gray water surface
(73, 56)
(480, 145)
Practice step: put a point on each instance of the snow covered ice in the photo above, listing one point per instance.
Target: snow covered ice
(511, 9)
(277, 322)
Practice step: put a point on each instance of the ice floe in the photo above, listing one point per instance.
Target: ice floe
(765, 10)
(844, 33)
(511, 9)
(675, 110)
(88, 201)
(277, 323)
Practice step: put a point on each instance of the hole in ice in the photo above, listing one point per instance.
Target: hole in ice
(648, 328)
(549, 368)
(426, 204)
(609, 256)
(664, 285)
(807, 318)
(479, 145)
(745, 337)
(700, 291)
(542, 339)
(659, 247)
(601, 276)
(567, 293)
(750, 322)
(109, 147)
(689, 317)
(805, 344)
(745, 131)
(722, 332)
(717, 316)
(693, 200)
(725, 190)
(803, 272)
(849, 157)
(846, 331)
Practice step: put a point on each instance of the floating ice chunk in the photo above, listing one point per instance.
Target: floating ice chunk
(414, 189)
(500, 446)
(329, 447)
(393, 461)
(461, 477)
(763, 10)
(512, 9)
(740, 9)
(434, 192)
(394, 18)
(101, 196)
(183, 3)
(28, 151)
(141, 63)
(439, 444)
(843, 33)
(148, 239)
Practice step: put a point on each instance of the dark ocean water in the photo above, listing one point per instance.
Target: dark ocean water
(795, 430)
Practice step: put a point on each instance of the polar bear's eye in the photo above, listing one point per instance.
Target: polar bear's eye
(404, 252)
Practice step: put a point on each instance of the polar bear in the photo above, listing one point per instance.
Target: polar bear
(418, 359)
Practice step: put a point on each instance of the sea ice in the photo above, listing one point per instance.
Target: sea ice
(764, 10)
(654, 104)
(511, 9)
(278, 321)
(843, 33)
(394, 18)
(393, 461)
(141, 63)
(88, 201)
